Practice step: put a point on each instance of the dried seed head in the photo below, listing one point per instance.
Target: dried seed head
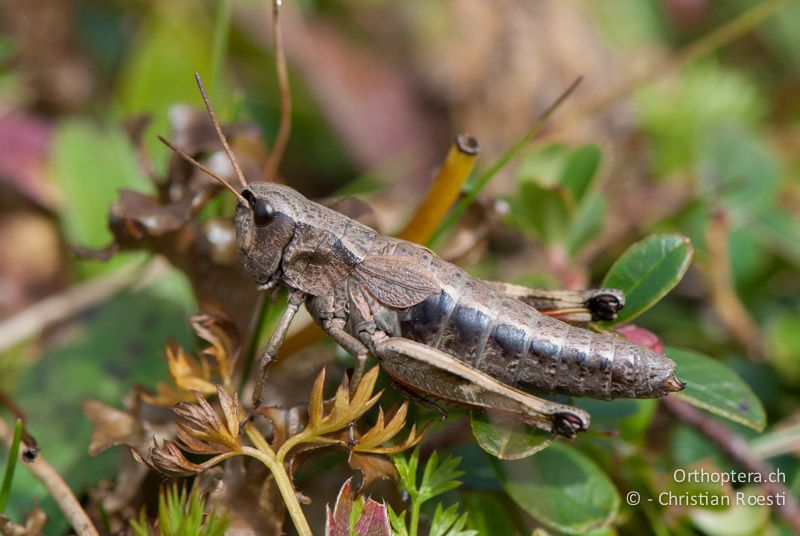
(169, 460)
(201, 430)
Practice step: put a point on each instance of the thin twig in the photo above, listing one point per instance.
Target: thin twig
(60, 307)
(740, 453)
(734, 315)
(285, 126)
(49, 477)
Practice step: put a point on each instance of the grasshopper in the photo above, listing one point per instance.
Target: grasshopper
(438, 332)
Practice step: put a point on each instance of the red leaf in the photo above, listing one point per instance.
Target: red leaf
(338, 522)
(641, 336)
(374, 520)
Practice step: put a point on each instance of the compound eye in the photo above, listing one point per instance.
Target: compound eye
(262, 212)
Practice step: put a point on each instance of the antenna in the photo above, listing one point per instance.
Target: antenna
(221, 136)
(201, 167)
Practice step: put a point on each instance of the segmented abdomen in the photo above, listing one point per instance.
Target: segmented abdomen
(520, 346)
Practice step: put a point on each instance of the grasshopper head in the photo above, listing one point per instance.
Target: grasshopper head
(266, 217)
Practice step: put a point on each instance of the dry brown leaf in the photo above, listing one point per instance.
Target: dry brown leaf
(34, 525)
(188, 374)
(286, 422)
(113, 427)
(220, 332)
(191, 374)
(372, 467)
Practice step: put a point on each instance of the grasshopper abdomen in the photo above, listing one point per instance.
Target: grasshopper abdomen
(519, 346)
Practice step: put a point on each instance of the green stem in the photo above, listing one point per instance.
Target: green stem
(414, 521)
(733, 30)
(289, 444)
(265, 455)
(8, 476)
(305, 437)
(222, 27)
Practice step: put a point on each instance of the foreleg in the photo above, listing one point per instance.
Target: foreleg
(296, 299)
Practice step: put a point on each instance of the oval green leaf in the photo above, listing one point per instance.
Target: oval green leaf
(581, 170)
(712, 386)
(91, 164)
(546, 210)
(586, 223)
(561, 488)
(647, 271)
(507, 440)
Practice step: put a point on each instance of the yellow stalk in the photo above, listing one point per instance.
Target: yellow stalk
(444, 191)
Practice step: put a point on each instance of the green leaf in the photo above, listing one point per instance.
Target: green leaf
(647, 271)
(488, 514)
(689, 447)
(159, 69)
(716, 388)
(397, 522)
(747, 176)
(545, 162)
(564, 211)
(738, 520)
(780, 230)
(783, 340)
(580, 170)
(679, 113)
(587, 222)
(561, 488)
(507, 440)
(545, 210)
(355, 512)
(140, 526)
(439, 478)
(407, 470)
(436, 479)
(448, 522)
(91, 163)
